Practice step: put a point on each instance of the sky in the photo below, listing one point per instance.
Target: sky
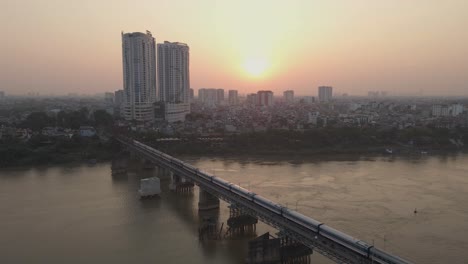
(400, 46)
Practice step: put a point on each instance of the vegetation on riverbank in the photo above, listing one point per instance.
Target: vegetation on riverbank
(43, 151)
(320, 141)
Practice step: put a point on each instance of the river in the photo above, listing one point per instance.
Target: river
(82, 214)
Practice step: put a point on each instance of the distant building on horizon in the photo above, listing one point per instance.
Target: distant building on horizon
(233, 97)
(265, 98)
(139, 75)
(174, 80)
(440, 110)
(191, 94)
(2, 95)
(252, 99)
(211, 96)
(119, 97)
(288, 96)
(325, 93)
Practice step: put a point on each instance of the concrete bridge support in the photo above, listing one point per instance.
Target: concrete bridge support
(207, 201)
(268, 249)
(240, 223)
(209, 228)
(163, 173)
(180, 184)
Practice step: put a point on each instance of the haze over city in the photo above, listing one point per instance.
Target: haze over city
(403, 47)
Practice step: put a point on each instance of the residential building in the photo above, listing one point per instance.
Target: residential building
(171, 112)
(440, 110)
(191, 95)
(288, 96)
(139, 75)
(447, 110)
(233, 97)
(211, 96)
(119, 97)
(173, 72)
(457, 109)
(252, 99)
(174, 79)
(265, 98)
(325, 93)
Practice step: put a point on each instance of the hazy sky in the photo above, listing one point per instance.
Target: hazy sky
(402, 46)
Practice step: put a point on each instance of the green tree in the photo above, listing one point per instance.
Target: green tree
(37, 121)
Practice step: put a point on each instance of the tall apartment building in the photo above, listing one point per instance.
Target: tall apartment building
(233, 97)
(173, 72)
(174, 80)
(265, 98)
(288, 96)
(2, 95)
(211, 96)
(325, 93)
(139, 75)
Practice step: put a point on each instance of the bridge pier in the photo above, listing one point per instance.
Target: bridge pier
(293, 251)
(180, 184)
(209, 225)
(240, 223)
(163, 173)
(207, 201)
(268, 249)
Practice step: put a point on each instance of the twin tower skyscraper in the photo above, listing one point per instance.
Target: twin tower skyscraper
(154, 73)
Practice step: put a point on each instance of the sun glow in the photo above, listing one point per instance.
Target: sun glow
(255, 67)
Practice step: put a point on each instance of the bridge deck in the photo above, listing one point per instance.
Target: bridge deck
(334, 249)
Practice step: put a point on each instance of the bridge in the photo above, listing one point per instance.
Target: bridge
(319, 237)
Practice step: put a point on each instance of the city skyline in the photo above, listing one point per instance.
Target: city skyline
(416, 48)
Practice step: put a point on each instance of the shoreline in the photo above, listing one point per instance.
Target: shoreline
(105, 154)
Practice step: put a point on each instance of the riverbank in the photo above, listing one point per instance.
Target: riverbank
(56, 152)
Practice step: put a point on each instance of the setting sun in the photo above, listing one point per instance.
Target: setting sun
(255, 66)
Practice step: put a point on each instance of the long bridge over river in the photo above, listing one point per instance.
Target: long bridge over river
(315, 235)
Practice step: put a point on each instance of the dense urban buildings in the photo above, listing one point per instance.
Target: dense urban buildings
(325, 93)
(233, 97)
(139, 75)
(265, 98)
(211, 96)
(288, 96)
(174, 79)
(443, 110)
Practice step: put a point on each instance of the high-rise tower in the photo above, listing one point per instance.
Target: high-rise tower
(325, 93)
(139, 75)
(173, 72)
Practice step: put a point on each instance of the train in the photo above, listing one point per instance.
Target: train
(305, 224)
